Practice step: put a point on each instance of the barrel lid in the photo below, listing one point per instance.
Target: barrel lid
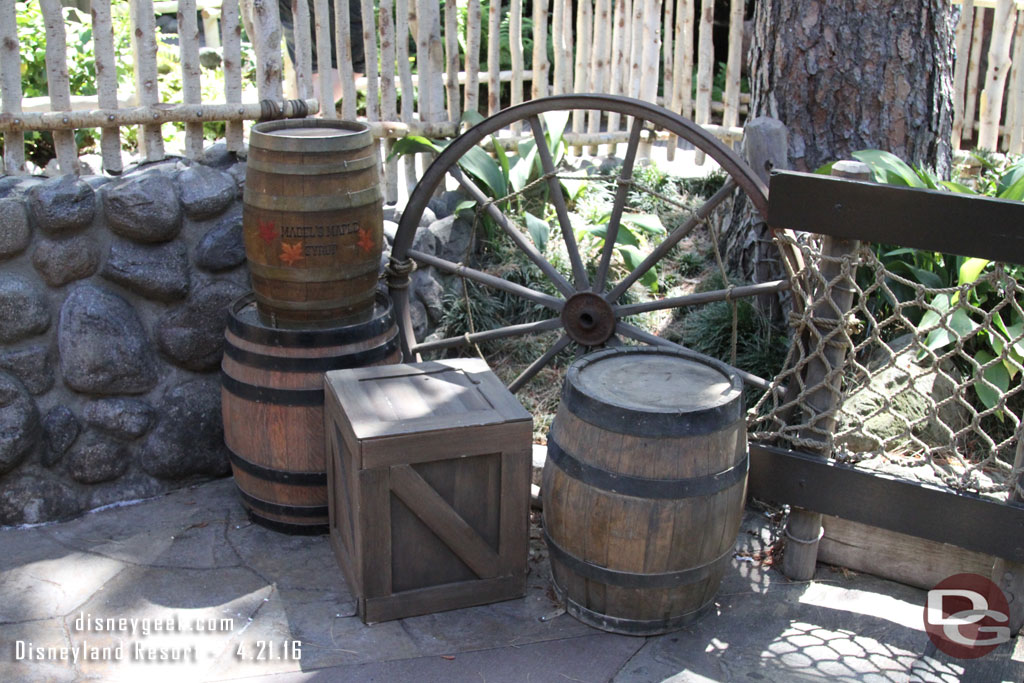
(654, 391)
(297, 135)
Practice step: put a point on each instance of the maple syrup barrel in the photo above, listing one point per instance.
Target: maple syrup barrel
(272, 401)
(643, 487)
(312, 221)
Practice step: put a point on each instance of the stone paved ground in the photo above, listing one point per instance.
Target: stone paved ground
(192, 557)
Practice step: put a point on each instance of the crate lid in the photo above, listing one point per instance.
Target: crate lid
(411, 398)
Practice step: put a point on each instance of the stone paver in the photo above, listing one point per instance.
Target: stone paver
(216, 598)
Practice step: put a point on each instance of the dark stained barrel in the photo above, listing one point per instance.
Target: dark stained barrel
(313, 221)
(643, 487)
(272, 401)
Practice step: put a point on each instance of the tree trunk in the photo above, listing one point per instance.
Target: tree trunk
(845, 76)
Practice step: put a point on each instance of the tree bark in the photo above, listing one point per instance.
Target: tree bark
(845, 76)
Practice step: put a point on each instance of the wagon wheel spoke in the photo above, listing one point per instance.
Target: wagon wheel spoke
(699, 216)
(537, 365)
(625, 179)
(483, 278)
(579, 272)
(633, 332)
(520, 330)
(502, 220)
(701, 298)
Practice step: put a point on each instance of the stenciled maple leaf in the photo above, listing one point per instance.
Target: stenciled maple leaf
(267, 232)
(290, 253)
(366, 241)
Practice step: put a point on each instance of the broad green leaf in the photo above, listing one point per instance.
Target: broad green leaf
(481, 166)
(1014, 192)
(538, 229)
(971, 269)
(556, 122)
(519, 174)
(930, 181)
(464, 205)
(961, 325)
(825, 169)
(633, 257)
(413, 144)
(573, 187)
(925, 277)
(648, 222)
(889, 168)
(472, 117)
(998, 380)
(1009, 178)
(956, 187)
(499, 153)
(624, 236)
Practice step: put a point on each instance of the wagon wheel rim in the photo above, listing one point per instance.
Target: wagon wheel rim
(586, 311)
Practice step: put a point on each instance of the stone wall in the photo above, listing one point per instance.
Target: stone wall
(113, 296)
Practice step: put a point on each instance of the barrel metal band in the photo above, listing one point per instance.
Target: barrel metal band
(317, 364)
(279, 509)
(648, 424)
(620, 579)
(642, 487)
(288, 527)
(321, 275)
(279, 305)
(278, 167)
(278, 397)
(357, 135)
(277, 476)
(312, 204)
(636, 627)
(349, 334)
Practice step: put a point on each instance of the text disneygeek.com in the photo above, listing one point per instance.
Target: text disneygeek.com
(125, 639)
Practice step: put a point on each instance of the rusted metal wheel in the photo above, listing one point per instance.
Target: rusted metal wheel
(587, 308)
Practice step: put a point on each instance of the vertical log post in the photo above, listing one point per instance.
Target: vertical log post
(1009, 576)
(266, 23)
(106, 82)
(705, 68)
(515, 39)
(651, 61)
(405, 81)
(493, 58)
(57, 85)
(474, 21)
(10, 79)
(731, 96)
(370, 58)
(765, 148)
(668, 63)
(192, 91)
(822, 376)
(995, 78)
(619, 62)
(325, 72)
(580, 78)
(343, 50)
(973, 69)
(540, 49)
(389, 101)
(682, 69)
(599, 62)
(231, 38)
(1015, 92)
(451, 56)
(557, 44)
(303, 50)
(963, 59)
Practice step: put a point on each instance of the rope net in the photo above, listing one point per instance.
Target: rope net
(884, 372)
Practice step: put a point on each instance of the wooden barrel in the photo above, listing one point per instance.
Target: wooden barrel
(272, 400)
(643, 487)
(313, 221)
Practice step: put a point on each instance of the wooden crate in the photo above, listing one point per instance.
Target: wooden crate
(428, 468)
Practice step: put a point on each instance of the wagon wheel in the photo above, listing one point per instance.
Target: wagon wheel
(586, 309)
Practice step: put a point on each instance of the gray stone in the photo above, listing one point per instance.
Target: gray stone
(103, 346)
(393, 213)
(15, 232)
(122, 418)
(62, 204)
(24, 311)
(418, 313)
(31, 500)
(155, 271)
(430, 292)
(238, 173)
(209, 57)
(33, 365)
(205, 191)
(63, 261)
(222, 248)
(19, 422)
(97, 181)
(60, 429)
(189, 437)
(95, 459)
(444, 205)
(454, 236)
(427, 217)
(192, 336)
(390, 230)
(424, 241)
(144, 207)
(218, 156)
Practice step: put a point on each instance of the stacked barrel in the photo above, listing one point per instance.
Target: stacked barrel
(313, 230)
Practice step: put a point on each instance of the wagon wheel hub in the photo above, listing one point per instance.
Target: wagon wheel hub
(588, 319)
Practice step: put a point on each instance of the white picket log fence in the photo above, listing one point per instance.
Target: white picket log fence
(641, 48)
